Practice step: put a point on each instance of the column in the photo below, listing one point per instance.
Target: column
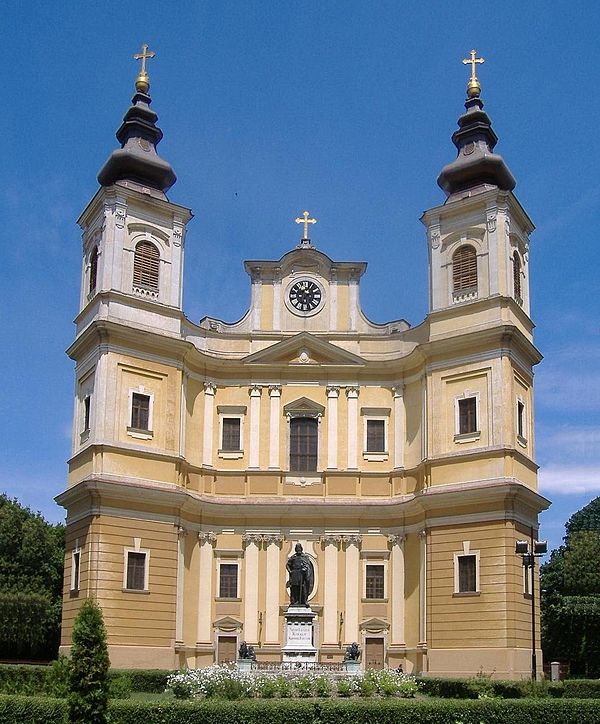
(277, 300)
(180, 584)
(333, 392)
(209, 405)
(399, 425)
(273, 543)
(206, 541)
(275, 418)
(423, 586)
(333, 289)
(254, 458)
(256, 301)
(353, 299)
(251, 587)
(396, 595)
(330, 590)
(352, 427)
(424, 419)
(352, 598)
(491, 214)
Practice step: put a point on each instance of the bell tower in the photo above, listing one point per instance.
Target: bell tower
(479, 238)
(133, 236)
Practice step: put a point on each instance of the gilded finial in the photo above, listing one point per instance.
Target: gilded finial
(305, 241)
(142, 82)
(473, 86)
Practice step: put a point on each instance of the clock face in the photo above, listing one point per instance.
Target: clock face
(305, 295)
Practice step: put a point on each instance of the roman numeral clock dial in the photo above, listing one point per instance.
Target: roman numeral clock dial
(305, 295)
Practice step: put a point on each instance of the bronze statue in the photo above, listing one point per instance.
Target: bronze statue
(302, 577)
(352, 652)
(246, 652)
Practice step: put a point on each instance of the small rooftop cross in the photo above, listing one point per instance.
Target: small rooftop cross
(306, 221)
(143, 56)
(473, 86)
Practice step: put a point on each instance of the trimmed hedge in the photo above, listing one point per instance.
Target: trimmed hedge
(33, 679)
(38, 710)
(581, 688)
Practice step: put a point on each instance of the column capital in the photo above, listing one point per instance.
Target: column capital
(398, 389)
(210, 388)
(273, 539)
(396, 539)
(255, 538)
(352, 392)
(423, 533)
(352, 539)
(255, 390)
(274, 390)
(331, 539)
(181, 531)
(333, 391)
(207, 536)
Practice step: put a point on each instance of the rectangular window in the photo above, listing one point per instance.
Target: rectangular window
(86, 413)
(303, 444)
(136, 571)
(228, 580)
(375, 436)
(467, 574)
(140, 411)
(374, 587)
(75, 568)
(231, 434)
(467, 415)
(521, 419)
(527, 576)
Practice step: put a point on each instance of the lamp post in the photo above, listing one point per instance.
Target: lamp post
(529, 554)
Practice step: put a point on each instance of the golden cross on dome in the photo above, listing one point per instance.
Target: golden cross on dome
(306, 221)
(143, 56)
(472, 61)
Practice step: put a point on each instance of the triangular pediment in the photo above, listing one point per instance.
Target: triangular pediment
(303, 405)
(374, 625)
(227, 623)
(304, 350)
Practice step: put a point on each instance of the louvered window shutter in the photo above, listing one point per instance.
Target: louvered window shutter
(146, 263)
(464, 269)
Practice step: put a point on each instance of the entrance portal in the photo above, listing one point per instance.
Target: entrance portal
(227, 649)
(374, 653)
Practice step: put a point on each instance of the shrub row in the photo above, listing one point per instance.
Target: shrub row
(484, 687)
(52, 680)
(581, 688)
(38, 710)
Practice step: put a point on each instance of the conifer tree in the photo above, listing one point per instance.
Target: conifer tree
(88, 690)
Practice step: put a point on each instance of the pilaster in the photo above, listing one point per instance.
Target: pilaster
(274, 425)
(331, 545)
(352, 427)
(333, 392)
(352, 597)
(254, 458)
(206, 541)
(209, 408)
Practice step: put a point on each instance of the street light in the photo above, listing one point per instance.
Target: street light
(529, 554)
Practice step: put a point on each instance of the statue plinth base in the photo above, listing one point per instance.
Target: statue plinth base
(300, 635)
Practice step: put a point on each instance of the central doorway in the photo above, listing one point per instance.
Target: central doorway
(374, 653)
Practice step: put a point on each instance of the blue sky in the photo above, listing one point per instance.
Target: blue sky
(342, 108)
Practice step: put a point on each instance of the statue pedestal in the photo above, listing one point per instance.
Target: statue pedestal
(300, 635)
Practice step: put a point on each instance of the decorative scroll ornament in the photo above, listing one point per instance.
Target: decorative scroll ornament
(207, 536)
(491, 220)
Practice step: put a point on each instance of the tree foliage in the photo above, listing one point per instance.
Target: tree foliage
(31, 579)
(571, 595)
(89, 686)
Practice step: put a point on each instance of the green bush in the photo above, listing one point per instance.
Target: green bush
(345, 687)
(119, 686)
(449, 688)
(322, 686)
(22, 679)
(304, 686)
(56, 682)
(88, 687)
(581, 688)
(40, 710)
(150, 681)
(285, 688)
(32, 710)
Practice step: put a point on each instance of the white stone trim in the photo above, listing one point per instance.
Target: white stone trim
(374, 561)
(272, 630)
(352, 597)
(181, 533)
(423, 587)
(331, 545)
(206, 541)
(522, 436)
(397, 593)
(399, 425)
(75, 580)
(251, 589)
(236, 412)
(221, 560)
(376, 413)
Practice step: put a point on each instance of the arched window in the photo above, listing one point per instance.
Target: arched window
(93, 270)
(145, 265)
(303, 444)
(464, 269)
(517, 276)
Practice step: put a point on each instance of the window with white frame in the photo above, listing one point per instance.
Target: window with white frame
(231, 430)
(375, 435)
(228, 580)
(75, 568)
(521, 421)
(527, 580)
(375, 581)
(141, 403)
(87, 400)
(466, 416)
(517, 277)
(136, 570)
(466, 570)
(84, 396)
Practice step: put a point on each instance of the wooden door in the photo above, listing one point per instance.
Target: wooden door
(374, 653)
(227, 649)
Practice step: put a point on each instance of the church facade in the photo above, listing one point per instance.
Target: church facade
(400, 458)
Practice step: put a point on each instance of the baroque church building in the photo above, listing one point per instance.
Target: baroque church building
(401, 458)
